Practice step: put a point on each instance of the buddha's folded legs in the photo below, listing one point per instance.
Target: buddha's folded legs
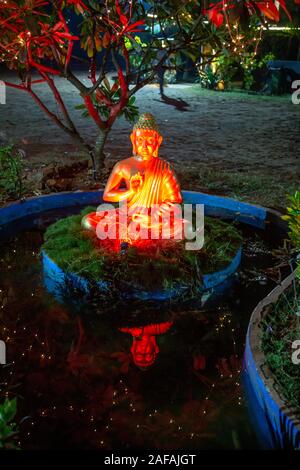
(134, 227)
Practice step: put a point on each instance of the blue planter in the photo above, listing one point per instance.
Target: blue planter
(55, 280)
(276, 424)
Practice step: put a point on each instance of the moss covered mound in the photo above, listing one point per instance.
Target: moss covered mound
(281, 327)
(167, 265)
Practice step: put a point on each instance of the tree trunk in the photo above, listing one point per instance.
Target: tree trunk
(99, 148)
(89, 149)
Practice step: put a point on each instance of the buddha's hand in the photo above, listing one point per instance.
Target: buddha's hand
(136, 182)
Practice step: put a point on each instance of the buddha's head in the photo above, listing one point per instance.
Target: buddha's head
(146, 138)
(144, 351)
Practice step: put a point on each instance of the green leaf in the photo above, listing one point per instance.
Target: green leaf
(8, 409)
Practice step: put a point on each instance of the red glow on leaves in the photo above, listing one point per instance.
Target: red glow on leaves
(122, 17)
(215, 17)
(41, 41)
(269, 10)
(284, 7)
(124, 27)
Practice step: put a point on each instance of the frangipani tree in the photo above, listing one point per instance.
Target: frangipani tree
(37, 42)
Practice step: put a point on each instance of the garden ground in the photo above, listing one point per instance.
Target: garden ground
(234, 143)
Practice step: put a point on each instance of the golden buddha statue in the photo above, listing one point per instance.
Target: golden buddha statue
(144, 182)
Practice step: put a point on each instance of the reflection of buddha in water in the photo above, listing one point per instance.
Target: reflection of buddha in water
(144, 348)
(148, 181)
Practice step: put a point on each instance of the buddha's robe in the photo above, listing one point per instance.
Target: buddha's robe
(159, 186)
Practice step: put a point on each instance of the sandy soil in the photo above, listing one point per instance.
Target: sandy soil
(231, 132)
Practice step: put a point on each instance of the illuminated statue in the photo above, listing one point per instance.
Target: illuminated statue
(144, 348)
(143, 181)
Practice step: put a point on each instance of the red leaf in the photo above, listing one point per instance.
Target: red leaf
(283, 6)
(118, 7)
(137, 23)
(124, 20)
(219, 19)
(67, 36)
(216, 17)
(69, 53)
(269, 10)
(106, 39)
(79, 4)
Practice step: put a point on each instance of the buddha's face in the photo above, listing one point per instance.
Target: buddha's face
(144, 351)
(146, 143)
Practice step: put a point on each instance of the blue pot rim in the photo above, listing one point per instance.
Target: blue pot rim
(56, 276)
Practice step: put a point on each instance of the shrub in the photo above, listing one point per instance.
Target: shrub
(8, 429)
(10, 174)
(293, 219)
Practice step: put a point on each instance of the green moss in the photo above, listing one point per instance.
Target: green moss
(165, 266)
(280, 328)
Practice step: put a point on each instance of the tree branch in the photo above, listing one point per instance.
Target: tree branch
(101, 73)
